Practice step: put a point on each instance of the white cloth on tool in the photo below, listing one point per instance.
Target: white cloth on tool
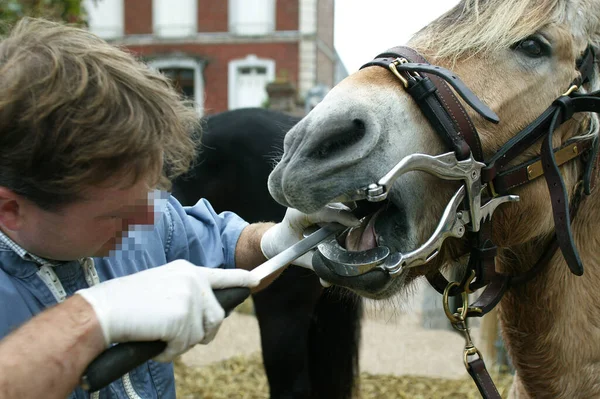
(291, 229)
(173, 303)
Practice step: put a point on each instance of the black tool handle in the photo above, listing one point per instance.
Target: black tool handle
(119, 359)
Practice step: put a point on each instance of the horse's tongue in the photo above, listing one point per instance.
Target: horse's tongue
(362, 237)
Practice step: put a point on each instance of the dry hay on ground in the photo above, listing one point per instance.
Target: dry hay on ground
(243, 377)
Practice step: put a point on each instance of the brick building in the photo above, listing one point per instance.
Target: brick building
(223, 53)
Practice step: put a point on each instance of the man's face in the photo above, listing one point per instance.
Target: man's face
(90, 227)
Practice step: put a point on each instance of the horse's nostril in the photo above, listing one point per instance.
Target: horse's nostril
(358, 124)
(340, 139)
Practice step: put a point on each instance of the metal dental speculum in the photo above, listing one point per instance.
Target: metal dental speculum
(453, 222)
(444, 166)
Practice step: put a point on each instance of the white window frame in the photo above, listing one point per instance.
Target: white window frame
(193, 29)
(250, 61)
(234, 18)
(119, 28)
(186, 63)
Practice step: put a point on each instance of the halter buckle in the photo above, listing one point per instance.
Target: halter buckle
(572, 89)
(392, 68)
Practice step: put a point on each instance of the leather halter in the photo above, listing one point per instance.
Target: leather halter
(429, 86)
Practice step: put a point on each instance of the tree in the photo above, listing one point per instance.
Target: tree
(71, 11)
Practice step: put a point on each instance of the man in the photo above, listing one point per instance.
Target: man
(91, 253)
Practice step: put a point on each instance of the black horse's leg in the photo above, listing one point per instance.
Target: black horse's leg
(285, 311)
(334, 342)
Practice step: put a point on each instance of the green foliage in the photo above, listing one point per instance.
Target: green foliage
(71, 11)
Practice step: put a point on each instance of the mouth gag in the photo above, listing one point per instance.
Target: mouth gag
(453, 222)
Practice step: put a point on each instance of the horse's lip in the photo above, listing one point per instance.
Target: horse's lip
(373, 281)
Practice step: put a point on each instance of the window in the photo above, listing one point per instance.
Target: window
(251, 17)
(105, 17)
(174, 18)
(186, 74)
(183, 79)
(248, 79)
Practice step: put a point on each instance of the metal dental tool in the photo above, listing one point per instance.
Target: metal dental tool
(444, 166)
(452, 224)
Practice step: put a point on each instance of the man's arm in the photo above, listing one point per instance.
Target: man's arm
(260, 239)
(248, 254)
(46, 356)
(173, 303)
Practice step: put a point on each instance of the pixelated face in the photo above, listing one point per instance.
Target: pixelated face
(90, 227)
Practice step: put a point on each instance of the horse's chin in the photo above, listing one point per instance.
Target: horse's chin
(388, 228)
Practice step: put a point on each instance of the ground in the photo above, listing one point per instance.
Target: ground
(397, 341)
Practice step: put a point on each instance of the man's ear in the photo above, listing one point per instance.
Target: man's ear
(10, 209)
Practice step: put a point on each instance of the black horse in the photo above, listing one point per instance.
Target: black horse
(310, 335)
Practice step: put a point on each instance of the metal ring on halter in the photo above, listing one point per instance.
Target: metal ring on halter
(470, 352)
(465, 307)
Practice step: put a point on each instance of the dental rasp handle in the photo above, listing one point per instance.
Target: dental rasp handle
(124, 357)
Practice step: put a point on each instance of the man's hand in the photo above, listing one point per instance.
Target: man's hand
(291, 229)
(173, 303)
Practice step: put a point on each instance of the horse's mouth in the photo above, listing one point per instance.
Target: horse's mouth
(363, 237)
(361, 245)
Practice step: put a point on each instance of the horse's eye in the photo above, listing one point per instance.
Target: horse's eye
(533, 47)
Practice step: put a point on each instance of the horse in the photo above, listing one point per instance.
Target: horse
(309, 335)
(479, 140)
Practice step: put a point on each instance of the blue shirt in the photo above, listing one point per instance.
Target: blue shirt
(197, 234)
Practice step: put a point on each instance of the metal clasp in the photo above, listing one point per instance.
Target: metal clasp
(470, 348)
(395, 71)
(392, 67)
(458, 320)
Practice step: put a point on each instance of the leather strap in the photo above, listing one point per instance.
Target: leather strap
(457, 84)
(560, 203)
(516, 145)
(482, 379)
(585, 65)
(591, 171)
(481, 261)
(519, 175)
(464, 129)
(425, 94)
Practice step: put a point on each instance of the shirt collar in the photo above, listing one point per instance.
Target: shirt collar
(7, 244)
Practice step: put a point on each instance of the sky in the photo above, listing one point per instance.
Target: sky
(365, 28)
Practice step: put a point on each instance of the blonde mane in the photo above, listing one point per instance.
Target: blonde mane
(480, 27)
(483, 26)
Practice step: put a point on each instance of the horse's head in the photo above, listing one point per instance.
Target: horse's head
(516, 56)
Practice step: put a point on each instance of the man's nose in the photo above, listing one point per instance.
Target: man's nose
(141, 215)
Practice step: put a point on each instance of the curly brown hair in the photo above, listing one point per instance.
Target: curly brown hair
(76, 111)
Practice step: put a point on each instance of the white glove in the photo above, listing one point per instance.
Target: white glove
(172, 303)
(285, 234)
